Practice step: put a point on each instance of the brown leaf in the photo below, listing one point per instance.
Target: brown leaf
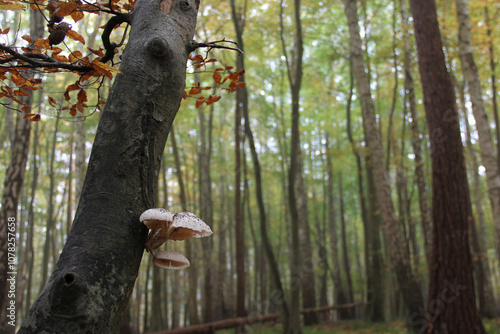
(66, 8)
(194, 91)
(77, 15)
(82, 96)
(217, 77)
(75, 36)
(35, 118)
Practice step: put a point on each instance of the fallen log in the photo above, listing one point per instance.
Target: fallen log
(211, 327)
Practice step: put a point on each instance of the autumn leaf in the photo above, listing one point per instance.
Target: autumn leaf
(26, 116)
(66, 8)
(82, 96)
(104, 69)
(75, 36)
(4, 5)
(52, 101)
(77, 15)
(234, 77)
(35, 118)
(212, 99)
(5, 31)
(240, 84)
(217, 77)
(197, 58)
(17, 79)
(194, 91)
(228, 68)
(199, 103)
(96, 52)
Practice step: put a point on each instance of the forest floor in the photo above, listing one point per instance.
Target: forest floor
(358, 327)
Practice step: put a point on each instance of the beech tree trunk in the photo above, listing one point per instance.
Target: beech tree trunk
(411, 293)
(452, 302)
(94, 277)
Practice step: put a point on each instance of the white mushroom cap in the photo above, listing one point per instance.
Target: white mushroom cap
(156, 218)
(186, 225)
(170, 260)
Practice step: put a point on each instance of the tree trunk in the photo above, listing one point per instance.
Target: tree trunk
(192, 272)
(307, 264)
(471, 74)
(416, 142)
(400, 258)
(452, 307)
(493, 79)
(241, 102)
(94, 277)
(14, 178)
(294, 69)
(345, 256)
(485, 292)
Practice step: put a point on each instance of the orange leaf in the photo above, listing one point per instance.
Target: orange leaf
(28, 116)
(199, 103)
(96, 52)
(194, 91)
(75, 36)
(234, 77)
(211, 60)
(17, 79)
(199, 66)
(61, 59)
(197, 58)
(66, 8)
(219, 69)
(77, 15)
(52, 101)
(82, 96)
(27, 38)
(35, 118)
(212, 99)
(229, 68)
(5, 31)
(72, 111)
(217, 77)
(240, 84)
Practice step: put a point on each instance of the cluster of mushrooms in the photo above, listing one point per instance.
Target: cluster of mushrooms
(166, 226)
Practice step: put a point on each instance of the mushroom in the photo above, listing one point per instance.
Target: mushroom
(170, 260)
(186, 225)
(164, 225)
(158, 221)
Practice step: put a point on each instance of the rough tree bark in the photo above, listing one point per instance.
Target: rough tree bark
(452, 302)
(94, 277)
(410, 290)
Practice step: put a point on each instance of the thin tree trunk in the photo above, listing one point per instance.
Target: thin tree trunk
(294, 70)
(452, 307)
(416, 142)
(400, 258)
(345, 255)
(488, 153)
(50, 227)
(192, 272)
(485, 292)
(307, 267)
(493, 79)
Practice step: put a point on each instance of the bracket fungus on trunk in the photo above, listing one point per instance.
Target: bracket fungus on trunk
(166, 226)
